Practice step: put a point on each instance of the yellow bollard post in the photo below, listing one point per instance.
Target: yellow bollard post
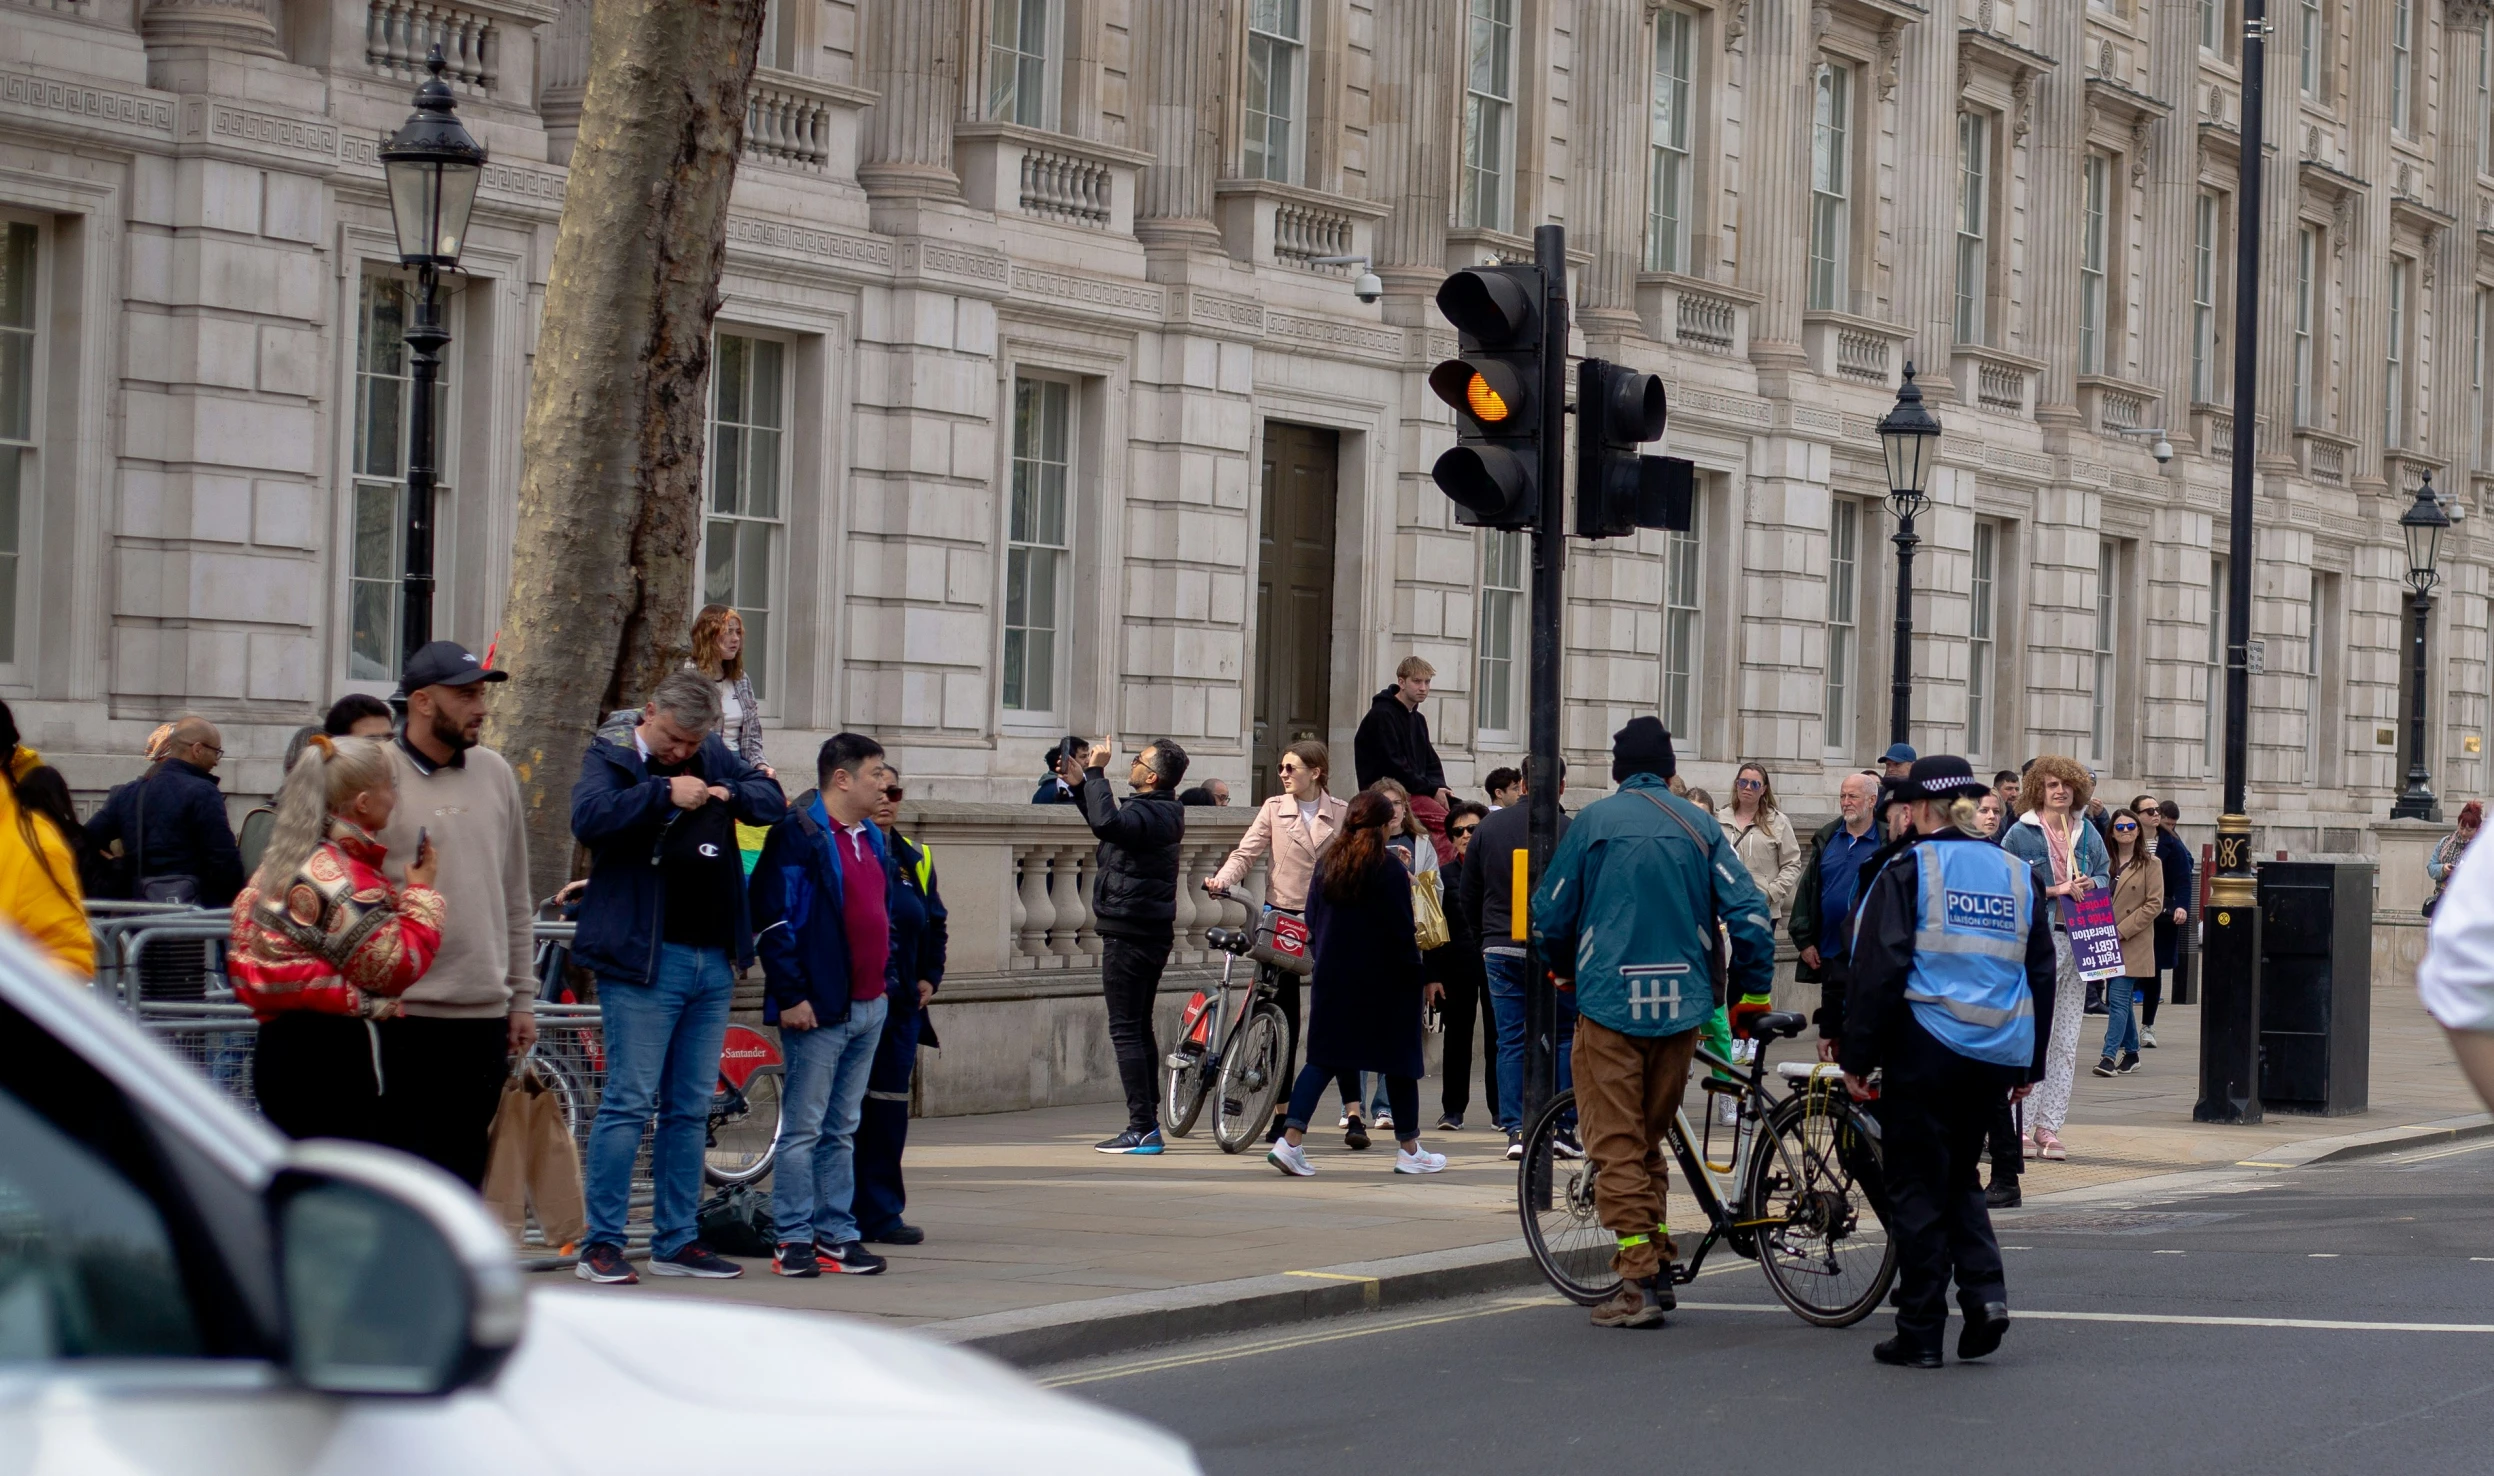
(1515, 915)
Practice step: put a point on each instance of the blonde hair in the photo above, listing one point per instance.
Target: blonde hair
(330, 772)
(1393, 789)
(1413, 666)
(707, 626)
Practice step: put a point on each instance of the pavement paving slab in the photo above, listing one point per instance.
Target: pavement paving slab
(1023, 1216)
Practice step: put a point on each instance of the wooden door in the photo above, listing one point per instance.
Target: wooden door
(1294, 595)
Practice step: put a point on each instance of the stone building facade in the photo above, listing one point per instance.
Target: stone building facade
(1036, 413)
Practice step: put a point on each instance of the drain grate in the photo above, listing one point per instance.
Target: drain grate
(2109, 1222)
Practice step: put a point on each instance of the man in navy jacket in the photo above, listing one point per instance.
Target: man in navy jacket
(918, 943)
(822, 898)
(663, 927)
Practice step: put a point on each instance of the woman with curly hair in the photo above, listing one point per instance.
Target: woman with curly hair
(2053, 836)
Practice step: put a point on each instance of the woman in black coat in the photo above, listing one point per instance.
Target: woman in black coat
(1364, 1004)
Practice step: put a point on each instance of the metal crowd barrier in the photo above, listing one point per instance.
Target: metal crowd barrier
(215, 1034)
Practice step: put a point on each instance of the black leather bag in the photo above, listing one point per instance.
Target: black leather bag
(737, 1222)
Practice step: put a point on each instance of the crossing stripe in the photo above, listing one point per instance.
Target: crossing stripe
(2170, 1319)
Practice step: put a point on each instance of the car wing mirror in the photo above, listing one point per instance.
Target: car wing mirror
(395, 1279)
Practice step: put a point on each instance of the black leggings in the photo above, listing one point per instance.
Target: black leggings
(2149, 990)
(1402, 1098)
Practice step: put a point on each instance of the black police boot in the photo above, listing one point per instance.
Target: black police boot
(2003, 1193)
(1986, 1324)
(1902, 1354)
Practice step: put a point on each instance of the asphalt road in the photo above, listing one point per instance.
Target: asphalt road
(2332, 1319)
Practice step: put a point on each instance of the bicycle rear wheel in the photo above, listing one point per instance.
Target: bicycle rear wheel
(1554, 1196)
(1813, 1197)
(744, 1129)
(1183, 1089)
(1251, 1079)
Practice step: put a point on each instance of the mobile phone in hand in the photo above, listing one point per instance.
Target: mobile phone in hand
(424, 837)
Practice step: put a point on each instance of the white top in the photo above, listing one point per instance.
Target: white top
(731, 711)
(2456, 980)
(1307, 814)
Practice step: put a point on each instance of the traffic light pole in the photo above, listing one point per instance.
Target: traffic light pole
(2230, 932)
(1541, 801)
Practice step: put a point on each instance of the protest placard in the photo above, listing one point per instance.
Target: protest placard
(2094, 941)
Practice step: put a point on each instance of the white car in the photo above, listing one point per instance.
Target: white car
(183, 1290)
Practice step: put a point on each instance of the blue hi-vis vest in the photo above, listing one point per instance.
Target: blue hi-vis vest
(1968, 985)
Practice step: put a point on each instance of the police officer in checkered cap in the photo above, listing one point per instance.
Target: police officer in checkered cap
(1951, 1003)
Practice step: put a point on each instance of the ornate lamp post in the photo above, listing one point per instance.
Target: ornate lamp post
(433, 167)
(2422, 525)
(1909, 437)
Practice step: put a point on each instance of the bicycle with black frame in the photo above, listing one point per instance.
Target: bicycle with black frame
(1237, 1057)
(1799, 1191)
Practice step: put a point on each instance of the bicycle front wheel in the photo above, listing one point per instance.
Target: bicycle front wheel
(1251, 1079)
(744, 1129)
(1554, 1195)
(1183, 1089)
(1812, 1198)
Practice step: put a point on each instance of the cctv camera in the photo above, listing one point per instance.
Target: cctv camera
(2163, 450)
(1367, 288)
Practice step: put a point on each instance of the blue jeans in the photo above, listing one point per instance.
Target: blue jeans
(662, 1056)
(1506, 998)
(2121, 1021)
(820, 1105)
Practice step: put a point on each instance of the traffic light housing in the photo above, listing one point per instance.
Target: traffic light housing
(1618, 489)
(1493, 471)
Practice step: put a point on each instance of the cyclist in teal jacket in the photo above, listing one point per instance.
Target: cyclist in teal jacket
(1630, 906)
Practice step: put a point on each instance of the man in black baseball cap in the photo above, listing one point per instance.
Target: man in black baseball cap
(444, 1059)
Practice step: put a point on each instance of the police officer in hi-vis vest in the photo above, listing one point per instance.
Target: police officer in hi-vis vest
(1951, 1001)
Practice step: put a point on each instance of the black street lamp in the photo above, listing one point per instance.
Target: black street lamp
(433, 167)
(2422, 525)
(1909, 436)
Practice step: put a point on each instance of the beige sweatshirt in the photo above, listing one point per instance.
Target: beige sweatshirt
(486, 968)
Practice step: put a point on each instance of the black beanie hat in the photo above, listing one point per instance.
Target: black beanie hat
(1643, 747)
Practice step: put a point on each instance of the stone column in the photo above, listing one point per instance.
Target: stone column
(1775, 180)
(2451, 428)
(1414, 140)
(2280, 206)
(210, 25)
(913, 59)
(1927, 95)
(2056, 143)
(1178, 67)
(1606, 188)
(2172, 185)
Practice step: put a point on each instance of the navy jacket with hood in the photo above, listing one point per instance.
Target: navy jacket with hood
(800, 925)
(621, 812)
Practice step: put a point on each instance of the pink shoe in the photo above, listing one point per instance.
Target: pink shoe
(2048, 1147)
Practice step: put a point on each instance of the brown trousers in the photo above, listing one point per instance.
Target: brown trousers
(1627, 1087)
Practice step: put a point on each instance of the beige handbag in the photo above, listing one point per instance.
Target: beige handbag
(1428, 916)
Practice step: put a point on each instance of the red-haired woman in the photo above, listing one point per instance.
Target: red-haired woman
(1364, 1006)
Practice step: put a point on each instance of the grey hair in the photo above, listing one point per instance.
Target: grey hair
(688, 697)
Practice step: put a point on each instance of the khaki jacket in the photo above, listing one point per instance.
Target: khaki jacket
(1771, 851)
(1278, 831)
(2138, 901)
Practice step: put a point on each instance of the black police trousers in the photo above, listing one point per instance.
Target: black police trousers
(1931, 1134)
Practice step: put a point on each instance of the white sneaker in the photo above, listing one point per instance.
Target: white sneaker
(1344, 1120)
(1422, 1162)
(1727, 1112)
(1291, 1159)
(2147, 1038)
(1384, 1120)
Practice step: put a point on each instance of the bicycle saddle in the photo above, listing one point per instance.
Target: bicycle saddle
(1779, 1025)
(1230, 940)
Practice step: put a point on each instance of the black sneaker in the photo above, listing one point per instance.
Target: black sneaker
(1133, 1140)
(899, 1232)
(1515, 1146)
(1452, 1122)
(795, 1258)
(604, 1263)
(1355, 1137)
(849, 1257)
(2130, 1063)
(696, 1259)
(2106, 1067)
(1563, 1144)
(2004, 1193)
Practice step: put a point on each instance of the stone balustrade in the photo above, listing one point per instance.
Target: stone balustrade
(1843, 346)
(1271, 224)
(399, 34)
(1055, 177)
(1706, 316)
(1995, 380)
(788, 122)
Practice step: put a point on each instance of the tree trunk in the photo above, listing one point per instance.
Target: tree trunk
(611, 455)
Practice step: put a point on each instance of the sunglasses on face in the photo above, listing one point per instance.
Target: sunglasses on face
(1748, 784)
(1460, 831)
(2125, 828)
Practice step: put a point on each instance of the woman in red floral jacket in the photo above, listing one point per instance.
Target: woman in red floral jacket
(322, 944)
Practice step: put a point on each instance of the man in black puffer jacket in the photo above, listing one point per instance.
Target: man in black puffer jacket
(1135, 907)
